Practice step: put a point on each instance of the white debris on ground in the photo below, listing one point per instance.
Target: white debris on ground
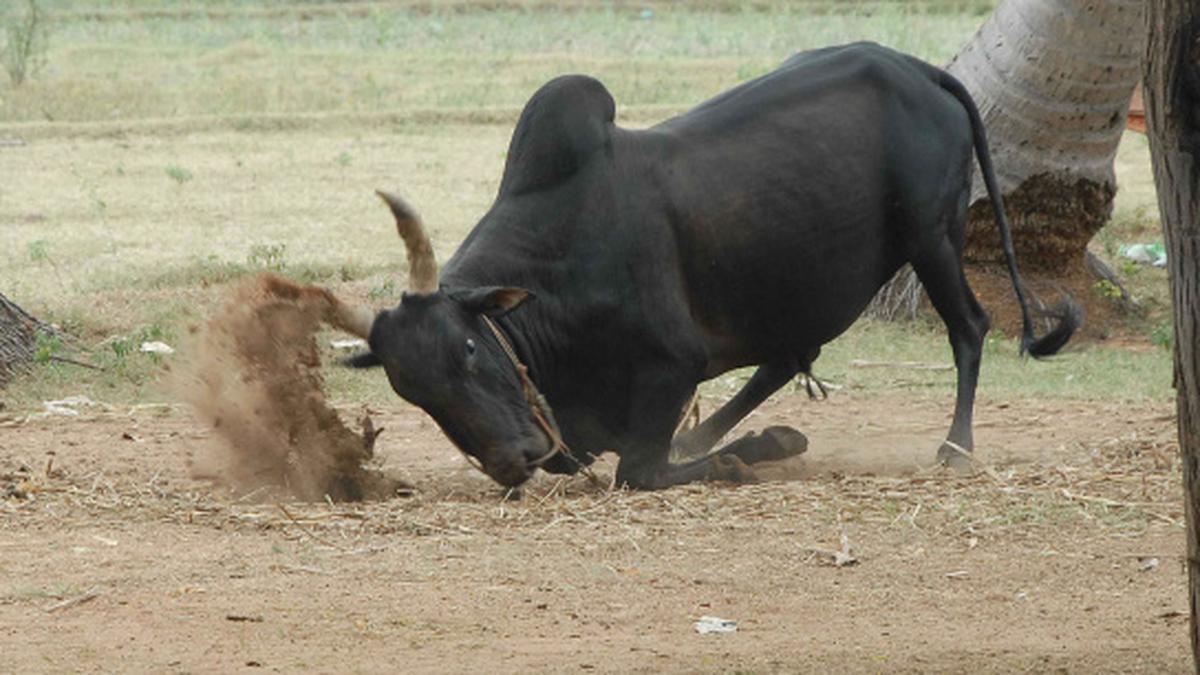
(157, 347)
(712, 624)
(70, 406)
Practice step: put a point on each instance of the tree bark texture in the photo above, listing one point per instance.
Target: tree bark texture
(1172, 93)
(18, 338)
(1053, 81)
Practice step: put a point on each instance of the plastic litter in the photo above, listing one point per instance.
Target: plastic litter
(713, 624)
(1146, 254)
(157, 347)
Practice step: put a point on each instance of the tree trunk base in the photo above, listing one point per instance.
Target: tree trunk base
(1104, 309)
(1052, 219)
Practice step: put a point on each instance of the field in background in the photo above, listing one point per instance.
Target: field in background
(170, 149)
(174, 146)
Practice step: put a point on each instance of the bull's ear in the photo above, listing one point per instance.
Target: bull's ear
(492, 300)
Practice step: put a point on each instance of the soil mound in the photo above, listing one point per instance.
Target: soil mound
(253, 374)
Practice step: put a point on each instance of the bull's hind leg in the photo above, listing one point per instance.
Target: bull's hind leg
(942, 274)
(765, 381)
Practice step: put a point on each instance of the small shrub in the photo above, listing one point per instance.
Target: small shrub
(1107, 289)
(1163, 335)
(383, 291)
(26, 37)
(267, 256)
(179, 174)
(39, 251)
(46, 347)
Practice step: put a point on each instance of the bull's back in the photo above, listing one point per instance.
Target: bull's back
(785, 192)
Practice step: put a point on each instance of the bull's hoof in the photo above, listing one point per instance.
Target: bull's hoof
(773, 444)
(956, 458)
(731, 468)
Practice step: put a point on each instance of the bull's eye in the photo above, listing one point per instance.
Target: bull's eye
(470, 347)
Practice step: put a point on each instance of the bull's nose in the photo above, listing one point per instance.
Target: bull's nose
(510, 475)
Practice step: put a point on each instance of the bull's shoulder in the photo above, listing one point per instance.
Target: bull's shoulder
(568, 120)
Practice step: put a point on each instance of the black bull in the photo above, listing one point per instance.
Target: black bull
(625, 267)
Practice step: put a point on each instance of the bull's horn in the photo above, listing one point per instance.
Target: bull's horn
(422, 265)
(354, 319)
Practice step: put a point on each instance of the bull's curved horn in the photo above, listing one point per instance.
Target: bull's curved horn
(354, 319)
(422, 265)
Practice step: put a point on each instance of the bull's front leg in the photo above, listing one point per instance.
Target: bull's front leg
(645, 459)
(765, 381)
(658, 394)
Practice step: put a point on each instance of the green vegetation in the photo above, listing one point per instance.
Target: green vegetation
(1099, 372)
(275, 121)
(25, 42)
(269, 58)
(179, 174)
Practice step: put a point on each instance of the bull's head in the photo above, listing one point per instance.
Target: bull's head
(440, 355)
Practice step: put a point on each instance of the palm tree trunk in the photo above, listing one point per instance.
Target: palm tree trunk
(1053, 81)
(1172, 92)
(18, 338)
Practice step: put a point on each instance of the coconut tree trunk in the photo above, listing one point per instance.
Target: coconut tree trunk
(18, 338)
(1053, 81)
(1172, 93)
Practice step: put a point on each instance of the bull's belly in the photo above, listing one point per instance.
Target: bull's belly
(792, 319)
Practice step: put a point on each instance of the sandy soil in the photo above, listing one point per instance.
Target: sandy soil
(1064, 554)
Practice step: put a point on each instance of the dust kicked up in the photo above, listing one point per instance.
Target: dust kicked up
(252, 374)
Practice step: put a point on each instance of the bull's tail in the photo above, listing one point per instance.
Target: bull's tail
(1067, 313)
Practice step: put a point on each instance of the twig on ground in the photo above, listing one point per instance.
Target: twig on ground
(1144, 507)
(842, 558)
(73, 362)
(74, 601)
(305, 530)
(910, 365)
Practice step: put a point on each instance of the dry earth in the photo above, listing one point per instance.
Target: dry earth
(1062, 554)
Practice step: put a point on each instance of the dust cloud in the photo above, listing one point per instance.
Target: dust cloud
(252, 374)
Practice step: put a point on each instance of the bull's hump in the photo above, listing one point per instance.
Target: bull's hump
(562, 126)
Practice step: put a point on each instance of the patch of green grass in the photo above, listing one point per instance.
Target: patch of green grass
(23, 52)
(1093, 372)
(1163, 334)
(268, 256)
(179, 174)
(103, 251)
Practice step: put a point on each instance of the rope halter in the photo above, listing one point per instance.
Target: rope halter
(539, 409)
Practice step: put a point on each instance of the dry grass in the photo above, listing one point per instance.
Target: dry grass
(1120, 487)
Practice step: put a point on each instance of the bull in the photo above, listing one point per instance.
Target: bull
(617, 269)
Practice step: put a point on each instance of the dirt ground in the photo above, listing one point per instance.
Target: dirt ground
(1063, 553)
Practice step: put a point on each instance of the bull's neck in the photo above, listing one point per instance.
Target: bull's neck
(531, 338)
(531, 328)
